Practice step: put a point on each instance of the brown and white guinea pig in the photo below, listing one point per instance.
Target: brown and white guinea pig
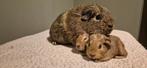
(102, 48)
(79, 20)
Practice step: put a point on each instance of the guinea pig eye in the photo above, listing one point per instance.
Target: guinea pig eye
(85, 38)
(100, 46)
(98, 17)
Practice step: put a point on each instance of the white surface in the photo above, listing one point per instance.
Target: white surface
(35, 51)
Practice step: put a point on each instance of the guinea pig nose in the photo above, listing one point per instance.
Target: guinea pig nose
(110, 26)
(92, 55)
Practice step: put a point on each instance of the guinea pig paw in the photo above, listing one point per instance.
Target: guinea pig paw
(54, 43)
(119, 57)
(104, 59)
(96, 60)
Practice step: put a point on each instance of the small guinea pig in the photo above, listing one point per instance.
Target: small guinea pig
(81, 41)
(97, 47)
(102, 48)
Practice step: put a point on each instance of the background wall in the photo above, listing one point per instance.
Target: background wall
(19, 18)
(127, 13)
(24, 17)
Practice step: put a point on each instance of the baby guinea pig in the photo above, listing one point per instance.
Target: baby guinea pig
(102, 48)
(97, 47)
(81, 41)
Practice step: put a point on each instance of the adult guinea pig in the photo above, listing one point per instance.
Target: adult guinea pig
(102, 48)
(79, 20)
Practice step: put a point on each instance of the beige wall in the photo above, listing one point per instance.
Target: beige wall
(24, 17)
(127, 13)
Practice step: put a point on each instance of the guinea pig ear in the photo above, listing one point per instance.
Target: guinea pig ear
(87, 15)
(107, 40)
(107, 45)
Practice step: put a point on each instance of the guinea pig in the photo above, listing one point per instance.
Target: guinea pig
(98, 46)
(102, 48)
(81, 41)
(79, 20)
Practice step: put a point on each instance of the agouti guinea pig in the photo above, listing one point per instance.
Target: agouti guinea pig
(79, 20)
(102, 48)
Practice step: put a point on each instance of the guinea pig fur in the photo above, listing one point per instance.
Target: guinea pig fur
(117, 48)
(97, 19)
